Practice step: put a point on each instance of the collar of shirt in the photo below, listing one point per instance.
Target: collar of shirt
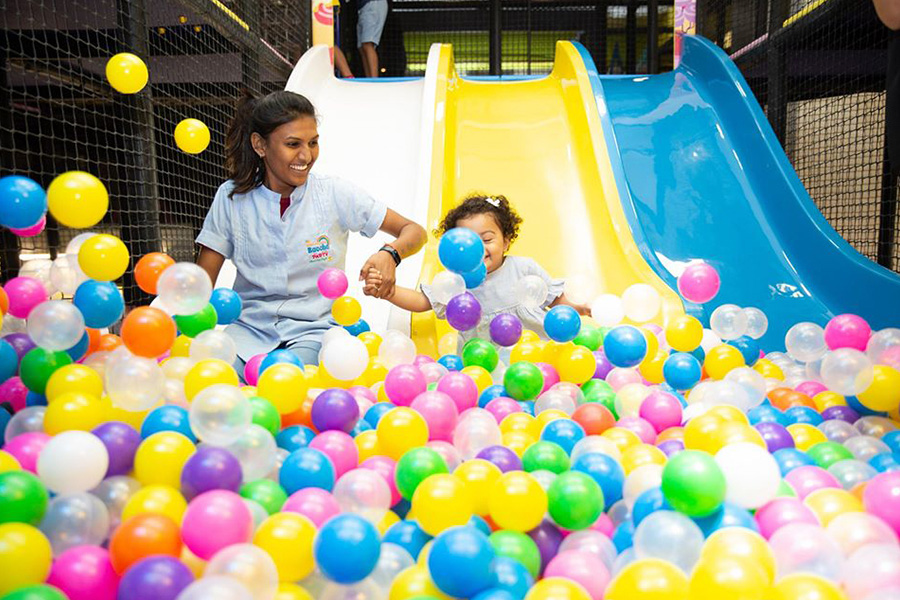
(296, 195)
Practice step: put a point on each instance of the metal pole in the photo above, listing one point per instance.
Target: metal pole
(250, 75)
(631, 37)
(602, 50)
(777, 84)
(890, 181)
(653, 36)
(495, 37)
(528, 42)
(9, 242)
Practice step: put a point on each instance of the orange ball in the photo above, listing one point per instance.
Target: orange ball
(148, 332)
(785, 398)
(301, 416)
(149, 268)
(594, 418)
(142, 536)
(108, 342)
(93, 340)
(4, 302)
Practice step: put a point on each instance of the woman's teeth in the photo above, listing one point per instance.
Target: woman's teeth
(299, 168)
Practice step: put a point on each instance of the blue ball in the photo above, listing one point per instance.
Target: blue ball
(479, 524)
(489, 393)
(475, 278)
(35, 399)
(22, 202)
(100, 302)
(347, 548)
(167, 418)
(886, 461)
(682, 371)
(402, 508)
(496, 594)
(892, 439)
(564, 432)
(452, 362)
(562, 323)
(409, 536)
(527, 406)
(803, 414)
(361, 425)
(510, 576)
(294, 437)
(648, 502)
(9, 360)
(279, 356)
(4, 420)
(228, 305)
(623, 536)
(789, 459)
(460, 562)
(728, 515)
(376, 411)
(357, 328)
(305, 468)
(606, 471)
(461, 250)
(748, 347)
(863, 411)
(625, 346)
(78, 351)
(766, 413)
(699, 353)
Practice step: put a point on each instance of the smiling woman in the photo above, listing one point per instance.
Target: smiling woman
(282, 225)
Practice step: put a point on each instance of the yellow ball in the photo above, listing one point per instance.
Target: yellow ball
(116, 413)
(721, 359)
(700, 430)
(518, 441)
(827, 399)
(209, 372)
(414, 582)
(530, 351)
(192, 136)
(389, 519)
(805, 435)
(529, 336)
(399, 430)
(158, 500)
(552, 351)
(480, 376)
(479, 476)
(805, 586)
(25, 556)
(557, 588)
(291, 591)
(521, 421)
(640, 455)
(648, 579)
(684, 333)
(127, 73)
(719, 576)
(161, 457)
(367, 445)
(652, 344)
(77, 199)
(74, 378)
(284, 385)
(288, 538)
(576, 364)
(768, 369)
(442, 501)
(884, 392)
(103, 257)
(732, 432)
(517, 501)
(729, 413)
(545, 416)
(372, 342)
(375, 372)
(181, 346)
(652, 368)
(741, 544)
(828, 503)
(74, 410)
(621, 437)
(346, 310)
(8, 462)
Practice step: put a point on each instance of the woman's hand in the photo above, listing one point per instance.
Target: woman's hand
(383, 263)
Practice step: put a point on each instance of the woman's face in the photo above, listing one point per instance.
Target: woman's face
(487, 228)
(289, 153)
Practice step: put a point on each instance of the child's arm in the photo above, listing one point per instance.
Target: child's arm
(401, 297)
(583, 309)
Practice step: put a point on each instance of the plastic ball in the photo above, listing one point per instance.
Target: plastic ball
(134, 383)
(22, 202)
(693, 483)
(248, 565)
(475, 278)
(400, 430)
(23, 498)
(215, 520)
(445, 285)
(461, 250)
(625, 346)
(728, 321)
(346, 310)
(25, 556)
(141, 536)
(562, 323)
(126, 73)
(55, 325)
(220, 414)
(77, 199)
(517, 501)
(463, 312)
(284, 385)
(757, 322)
(557, 588)
(883, 394)
(523, 381)
(75, 520)
(460, 562)
(192, 136)
(100, 303)
(575, 500)
(752, 476)
(72, 461)
(641, 302)
(148, 332)
(218, 587)
(681, 371)
(722, 359)
(184, 288)
(24, 293)
(155, 577)
(607, 310)
(805, 342)
(847, 371)
(699, 283)
(103, 257)
(847, 331)
(440, 413)
(442, 501)
(335, 409)
(288, 538)
(505, 329)
(727, 577)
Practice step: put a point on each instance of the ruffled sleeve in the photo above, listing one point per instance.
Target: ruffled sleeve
(440, 309)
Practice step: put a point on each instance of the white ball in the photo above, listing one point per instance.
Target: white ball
(531, 290)
(345, 358)
(248, 565)
(445, 285)
(757, 322)
(55, 325)
(728, 321)
(805, 342)
(220, 414)
(255, 449)
(641, 302)
(847, 371)
(751, 474)
(133, 382)
(72, 461)
(213, 343)
(185, 288)
(607, 310)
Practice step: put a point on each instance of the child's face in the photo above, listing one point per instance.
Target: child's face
(495, 246)
(289, 154)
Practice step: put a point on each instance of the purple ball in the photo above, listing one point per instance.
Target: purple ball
(670, 447)
(603, 365)
(21, 343)
(776, 436)
(463, 312)
(335, 409)
(506, 329)
(210, 468)
(155, 578)
(548, 538)
(502, 457)
(844, 413)
(121, 441)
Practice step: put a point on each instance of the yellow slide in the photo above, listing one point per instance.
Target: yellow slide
(538, 142)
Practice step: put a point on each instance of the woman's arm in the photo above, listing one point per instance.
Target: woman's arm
(889, 13)
(410, 239)
(211, 262)
(583, 309)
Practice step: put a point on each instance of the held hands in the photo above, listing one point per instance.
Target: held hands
(384, 267)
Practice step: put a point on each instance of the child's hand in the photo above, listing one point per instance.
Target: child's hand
(583, 309)
(373, 282)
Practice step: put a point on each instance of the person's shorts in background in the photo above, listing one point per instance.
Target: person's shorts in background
(370, 22)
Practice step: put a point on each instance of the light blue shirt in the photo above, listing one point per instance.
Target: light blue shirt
(279, 259)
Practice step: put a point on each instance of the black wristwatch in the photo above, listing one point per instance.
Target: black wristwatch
(392, 251)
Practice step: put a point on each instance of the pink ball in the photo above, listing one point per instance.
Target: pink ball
(847, 331)
(661, 410)
(699, 283)
(807, 479)
(364, 397)
(461, 388)
(339, 447)
(33, 230)
(214, 520)
(85, 573)
(604, 525)
(653, 328)
(315, 504)
(14, 391)
(780, 512)
(551, 376)
(439, 412)
(585, 568)
(26, 447)
(403, 383)
(502, 406)
(422, 359)
(641, 427)
(811, 388)
(619, 378)
(882, 498)
(386, 467)
(332, 283)
(251, 369)
(24, 294)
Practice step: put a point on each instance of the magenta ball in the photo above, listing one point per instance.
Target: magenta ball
(619, 378)
(699, 283)
(505, 329)
(26, 447)
(24, 294)
(386, 467)
(335, 409)
(251, 369)
(32, 231)
(604, 525)
(403, 384)
(422, 359)
(332, 283)
(461, 388)
(439, 412)
(582, 567)
(315, 504)
(811, 388)
(882, 498)
(214, 520)
(662, 410)
(85, 573)
(774, 515)
(641, 427)
(551, 375)
(339, 448)
(15, 392)
(501, 406)
(847, 331)
(807, 479)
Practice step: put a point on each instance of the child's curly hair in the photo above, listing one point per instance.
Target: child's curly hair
(478, 204)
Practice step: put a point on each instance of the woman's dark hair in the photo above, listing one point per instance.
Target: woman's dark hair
(478, 204)
(262, 116)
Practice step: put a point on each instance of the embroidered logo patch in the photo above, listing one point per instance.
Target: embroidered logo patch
(319, 249)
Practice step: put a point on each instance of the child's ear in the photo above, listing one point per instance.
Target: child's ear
(506, 243)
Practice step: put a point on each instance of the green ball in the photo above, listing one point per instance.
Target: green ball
(597, 390)
(523, 381)
(431, 386)
(785, 490)
(589, 337)
(481, 353)
(517, 546)
(693, 483)
(826, 454)
(36, 592)
(414, 467)
(38, 365)
(575, 500)
(195, 324)
(547, 456)
(23, 498)
(267, 493)
(265, 415)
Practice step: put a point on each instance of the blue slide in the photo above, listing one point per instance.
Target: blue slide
(703, 176)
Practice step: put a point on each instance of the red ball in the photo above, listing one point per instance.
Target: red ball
(594, 418)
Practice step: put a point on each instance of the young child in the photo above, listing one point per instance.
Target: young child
(497, 223)
(282, 226)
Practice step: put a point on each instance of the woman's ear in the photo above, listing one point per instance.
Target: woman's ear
(259, 144)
